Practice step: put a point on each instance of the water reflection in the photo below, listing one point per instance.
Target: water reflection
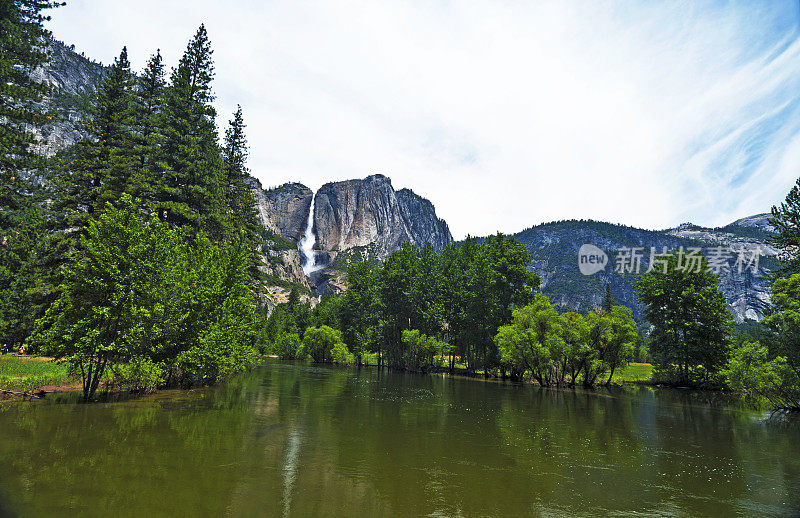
(300, 440)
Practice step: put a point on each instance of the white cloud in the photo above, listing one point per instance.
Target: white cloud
(505, 114)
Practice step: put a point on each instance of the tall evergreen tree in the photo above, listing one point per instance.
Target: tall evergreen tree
(608, 299)
(149, 130)
(786, 222)
(241, 210)
(21, 51)
(101, 170)
(192, 188)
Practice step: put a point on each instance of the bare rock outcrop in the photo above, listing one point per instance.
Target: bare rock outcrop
(357, 213)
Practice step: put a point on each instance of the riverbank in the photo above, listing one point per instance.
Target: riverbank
(26, 376)
(633, 373)
(29, 376)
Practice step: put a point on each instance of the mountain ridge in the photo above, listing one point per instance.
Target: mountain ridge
(367, 219)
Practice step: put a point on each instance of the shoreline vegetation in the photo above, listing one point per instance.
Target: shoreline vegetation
(25, 376)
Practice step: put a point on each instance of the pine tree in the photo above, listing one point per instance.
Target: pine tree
(21, 51)
(241, 209)
(608, 300)
(101, 170)
(149, 130)
(786, 222)
(192, 188)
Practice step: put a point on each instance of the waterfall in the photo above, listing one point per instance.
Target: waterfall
(306, 244)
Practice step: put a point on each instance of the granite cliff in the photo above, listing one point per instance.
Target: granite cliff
(283, 209)
(352, 219)
(360, 213)
(73, 78)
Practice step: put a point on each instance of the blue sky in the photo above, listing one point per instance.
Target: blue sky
(503, 113)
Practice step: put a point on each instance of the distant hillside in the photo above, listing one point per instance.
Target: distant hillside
(555, 246)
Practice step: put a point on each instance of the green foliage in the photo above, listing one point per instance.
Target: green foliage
(460, 295)
(139, 302)
(288, 347)
(192, 189)
(240, 206)
(559, 349)
(692, 327)
(360, 309)
(786, 222)
(139, 374)
(533, 342)
(319, 342)
(424, 352)
(608, 299)
(752, 373)
(340, 354)
(102, 165)
(770, 370)
(22, 227)
(138, 290)
(783, 319)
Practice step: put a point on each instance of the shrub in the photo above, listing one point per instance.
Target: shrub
(288, 347)
(318, 342)
(341, 355)
(139, 375)
(425, 351)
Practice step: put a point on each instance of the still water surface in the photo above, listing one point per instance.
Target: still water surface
(301, 440)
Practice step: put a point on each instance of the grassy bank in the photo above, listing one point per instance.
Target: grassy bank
(29, 373)
(634, 373)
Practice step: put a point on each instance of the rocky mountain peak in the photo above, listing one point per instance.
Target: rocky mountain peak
(357, 213)
(364, 216)
(759, 221)
(283, 209)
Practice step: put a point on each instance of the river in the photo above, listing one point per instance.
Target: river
(291, 439)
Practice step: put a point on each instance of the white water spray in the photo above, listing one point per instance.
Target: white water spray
(306, 244)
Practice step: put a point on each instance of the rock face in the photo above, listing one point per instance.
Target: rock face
(284, 209)
(73, 79)
(353, 220)
(358, 213)
(555, 246)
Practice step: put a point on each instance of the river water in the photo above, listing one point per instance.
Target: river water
(291, 439)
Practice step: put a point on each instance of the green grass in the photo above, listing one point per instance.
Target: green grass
(28, 373)
(634, 373)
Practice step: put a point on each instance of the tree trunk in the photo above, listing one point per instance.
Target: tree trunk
(610, 376)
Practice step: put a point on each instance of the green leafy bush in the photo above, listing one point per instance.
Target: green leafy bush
(288, 347)
(750, 372)
(319, 342)
(341, 355)
(425, 351)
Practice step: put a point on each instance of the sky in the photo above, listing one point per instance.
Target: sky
(505, 114)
